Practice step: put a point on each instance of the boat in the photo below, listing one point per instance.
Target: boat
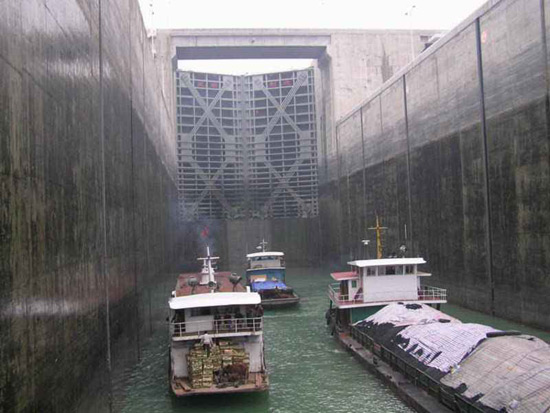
(371, 284)
(383, 314)
(216, 334)
(265, 275)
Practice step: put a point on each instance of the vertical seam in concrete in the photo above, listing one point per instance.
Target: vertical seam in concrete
(544, 44)
(133, 169)
(489, 234)
(350, 245)
(146, 168)
(324, 122)
(104, 266)
(409, 191)
(339, 169)
(545, 54)
(364, 174)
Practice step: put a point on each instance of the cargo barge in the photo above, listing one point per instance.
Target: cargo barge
(266, 275)
(436, 363)
(383, 315)
(216, 335)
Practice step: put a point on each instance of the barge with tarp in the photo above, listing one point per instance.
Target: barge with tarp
(467, 367)
(383, 313)
(266, 275)
(216, 335)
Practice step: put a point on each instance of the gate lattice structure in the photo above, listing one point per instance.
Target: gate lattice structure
(247, 145)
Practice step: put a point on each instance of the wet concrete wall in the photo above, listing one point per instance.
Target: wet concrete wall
(87, 194)
(453, 154)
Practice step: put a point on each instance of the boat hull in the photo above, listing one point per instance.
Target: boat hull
(182, 388)
(280, 302)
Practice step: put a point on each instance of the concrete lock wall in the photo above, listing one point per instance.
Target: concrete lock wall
(87, 193)
(453, 154)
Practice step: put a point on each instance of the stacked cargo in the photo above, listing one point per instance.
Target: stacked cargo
(233, 354)
(200, 367)
(204, 365)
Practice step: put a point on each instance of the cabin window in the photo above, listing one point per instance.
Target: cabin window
(409, 269)
(371, 271)
(197, 312)
(354, 284)
(179, 316)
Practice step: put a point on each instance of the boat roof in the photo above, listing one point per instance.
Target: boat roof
(222, 278)
(343, 276)
(383, 262)
(214, 300)
(266, 254)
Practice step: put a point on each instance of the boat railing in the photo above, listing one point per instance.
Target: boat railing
(335, 295)
(454, 401)
(428, 293)
(424, 293)
(214, 327)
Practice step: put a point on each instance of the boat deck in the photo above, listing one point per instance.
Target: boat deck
(257, 382)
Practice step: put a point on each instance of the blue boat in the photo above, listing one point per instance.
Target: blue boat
(265, 275)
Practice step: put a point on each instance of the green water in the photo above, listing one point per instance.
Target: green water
(308, 370)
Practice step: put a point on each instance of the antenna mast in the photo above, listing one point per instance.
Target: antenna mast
(378, 230)
(262, 245)
(207, 270)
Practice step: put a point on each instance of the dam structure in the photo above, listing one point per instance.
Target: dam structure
(116, 168)
(262, 199)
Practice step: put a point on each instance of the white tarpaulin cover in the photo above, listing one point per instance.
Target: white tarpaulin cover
(442, 345)
(399, 315)
(511, 372)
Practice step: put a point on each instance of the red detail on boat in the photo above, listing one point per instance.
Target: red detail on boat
(342, 276)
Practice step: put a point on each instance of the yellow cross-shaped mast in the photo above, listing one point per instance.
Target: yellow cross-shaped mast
(378, 230)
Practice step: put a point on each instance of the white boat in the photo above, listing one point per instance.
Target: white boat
(372, 284)
(266, 275)
(216, 335)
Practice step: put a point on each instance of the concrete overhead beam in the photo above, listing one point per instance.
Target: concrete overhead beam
(250, 52)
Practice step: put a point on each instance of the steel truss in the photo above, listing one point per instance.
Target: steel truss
(247, 146)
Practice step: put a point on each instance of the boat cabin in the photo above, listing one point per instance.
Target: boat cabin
(382, 281)
(218, 314)
(267, 259)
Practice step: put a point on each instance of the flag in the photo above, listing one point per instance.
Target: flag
(204, 233)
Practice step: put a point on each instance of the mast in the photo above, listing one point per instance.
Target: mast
(207, 270)
(262, 245)
(378, 230)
